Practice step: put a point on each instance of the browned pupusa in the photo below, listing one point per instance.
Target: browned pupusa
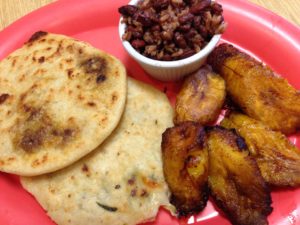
(59, 99)
(122, 181)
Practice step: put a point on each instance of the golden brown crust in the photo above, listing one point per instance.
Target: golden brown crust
(62, 99)
(278, 159)
(121, 182)
(235, 181)
(200, 98)
(257, 90)
(185, 164)
(220, 54)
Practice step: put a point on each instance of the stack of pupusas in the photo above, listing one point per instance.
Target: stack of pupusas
(85, 141)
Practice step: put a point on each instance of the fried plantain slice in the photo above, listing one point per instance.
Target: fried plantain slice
(185, 164)
(257, 90)
(200, 98)
(235, 181)
(277, 158)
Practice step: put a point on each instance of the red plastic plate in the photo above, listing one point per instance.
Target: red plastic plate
(261, 33)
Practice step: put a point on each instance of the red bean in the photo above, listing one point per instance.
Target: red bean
(137, 34)
(192, 32)
(156, 28)
(216, 8)
(143, 18)
(167, 57)
(160, 4)
(186, 18)
(128, 10)
(199, 7)
(197, 21)
(185, 27)
(187, 53)
(137, 43)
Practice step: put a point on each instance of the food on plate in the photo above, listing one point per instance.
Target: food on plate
(201, 97)
(185, 164)
(171, 30)
(122, 181)
(235, 181)
(277, 158)
(59, 99)
(257, 90)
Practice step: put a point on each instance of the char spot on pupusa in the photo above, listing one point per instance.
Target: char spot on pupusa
(114, 97)
(91, 104)
(41, 59)
(37, 36)
(85, 168)
(3, 98)
(96, 66)
(38, 130)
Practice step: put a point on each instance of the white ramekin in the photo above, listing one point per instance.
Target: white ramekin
(168, 70)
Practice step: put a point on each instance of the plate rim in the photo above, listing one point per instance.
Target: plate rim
(286, 27)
